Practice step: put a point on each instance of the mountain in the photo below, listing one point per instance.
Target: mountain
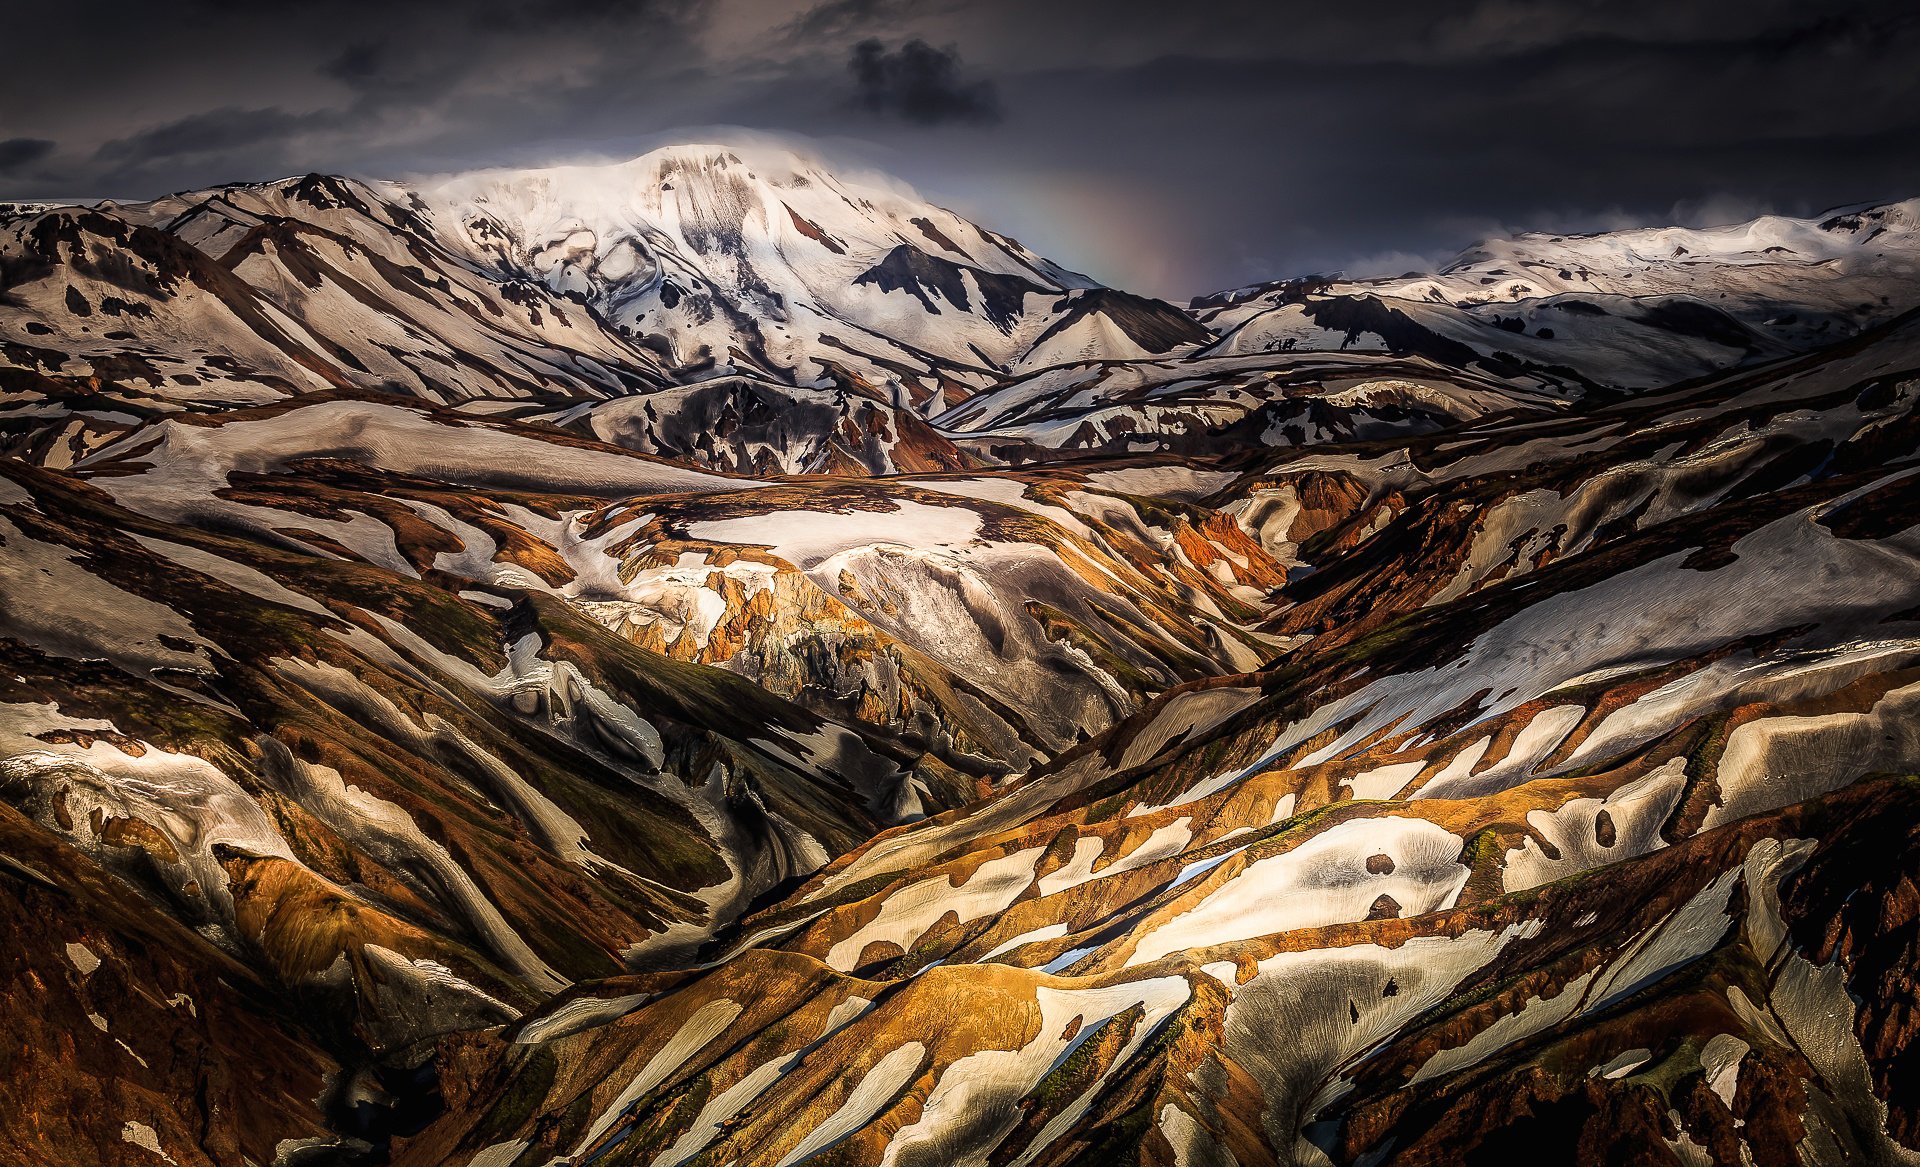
(1621, 310)
(1527, 324)
(849, 308)
(704, 661)
(759, 260)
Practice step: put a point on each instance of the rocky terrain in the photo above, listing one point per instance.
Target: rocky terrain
(704, 661)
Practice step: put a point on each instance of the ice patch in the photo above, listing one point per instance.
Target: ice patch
(1322, 881)
(877, 1087)
(83, 959)
(806, 538)
(146, 1138)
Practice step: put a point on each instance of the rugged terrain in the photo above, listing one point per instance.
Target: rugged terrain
(705, 661)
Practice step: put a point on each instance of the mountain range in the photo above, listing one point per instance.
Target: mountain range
(707, 661)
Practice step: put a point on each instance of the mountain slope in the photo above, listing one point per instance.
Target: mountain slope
(413, 718)
(265, 696)
(1213, 406)
(1540, 848)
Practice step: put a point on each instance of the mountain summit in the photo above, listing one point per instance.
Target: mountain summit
(761, 259)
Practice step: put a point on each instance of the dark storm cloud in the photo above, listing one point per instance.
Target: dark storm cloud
(16, 153)
(1174, 148)
(256, 134)
(356, 63)
(920, 84)
(215, 131)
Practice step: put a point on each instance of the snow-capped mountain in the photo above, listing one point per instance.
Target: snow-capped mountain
(580, 283)
(1524, 324)
(700, 661)
(759, 260)
(1626, 309)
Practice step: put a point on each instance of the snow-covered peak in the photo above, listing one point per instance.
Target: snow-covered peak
(1629, 309)
(1678, 258)
(753, 257)
(717, 198)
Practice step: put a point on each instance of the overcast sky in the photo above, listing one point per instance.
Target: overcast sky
(1172, 148)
